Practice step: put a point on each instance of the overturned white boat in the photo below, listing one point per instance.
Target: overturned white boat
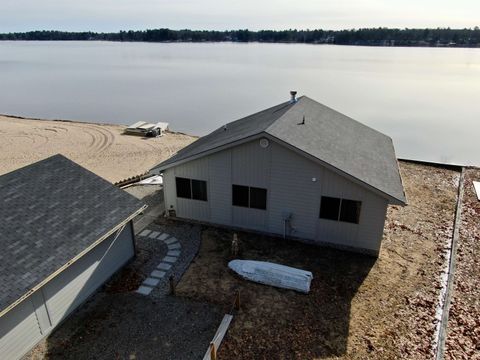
(273, 274)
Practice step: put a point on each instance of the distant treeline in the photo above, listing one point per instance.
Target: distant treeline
(375, 36)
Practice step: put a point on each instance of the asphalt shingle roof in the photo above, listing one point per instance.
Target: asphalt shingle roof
(333, 138)
(50, 212)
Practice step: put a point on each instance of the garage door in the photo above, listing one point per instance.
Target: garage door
(72, 287)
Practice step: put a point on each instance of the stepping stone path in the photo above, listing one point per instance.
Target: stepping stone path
(174, 251)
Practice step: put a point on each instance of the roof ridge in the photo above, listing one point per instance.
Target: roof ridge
(286, 112)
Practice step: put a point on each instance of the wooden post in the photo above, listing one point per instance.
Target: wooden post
(237, 301)
(235, 245)
(172, 285)
(213, 352)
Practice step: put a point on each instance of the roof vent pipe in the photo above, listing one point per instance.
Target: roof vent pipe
(294, 97)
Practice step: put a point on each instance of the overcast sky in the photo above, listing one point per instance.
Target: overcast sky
(114, 15)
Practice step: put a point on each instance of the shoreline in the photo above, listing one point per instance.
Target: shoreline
(441, 46)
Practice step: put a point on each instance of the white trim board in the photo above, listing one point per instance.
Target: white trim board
(476, 185)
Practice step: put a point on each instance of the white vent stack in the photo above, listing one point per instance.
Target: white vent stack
(293, 98)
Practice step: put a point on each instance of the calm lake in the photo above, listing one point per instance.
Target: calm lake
(426, 99)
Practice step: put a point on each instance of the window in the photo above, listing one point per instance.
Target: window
(199, 190)
(258, 198)
(329, 208)
(191, 189)
(340, 209)
(251, 197)
(240, 195)
(350, 211)
(184, 188)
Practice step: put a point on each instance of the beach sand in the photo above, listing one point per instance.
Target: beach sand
(101, 148)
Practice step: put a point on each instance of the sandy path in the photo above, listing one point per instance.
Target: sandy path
(102, 149)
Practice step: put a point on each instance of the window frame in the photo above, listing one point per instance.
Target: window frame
(342, 214)
(203, 194)
(235, 200)
(203, 184)
(323, 201)
(358, 209)
(248, 203)
(186, 181)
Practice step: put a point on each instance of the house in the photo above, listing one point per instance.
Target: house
(64, 232)
(298, 170)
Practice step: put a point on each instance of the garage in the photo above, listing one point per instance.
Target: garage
(65, 231)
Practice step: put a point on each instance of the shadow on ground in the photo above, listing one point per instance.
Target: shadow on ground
(133, 326)
(276, 323)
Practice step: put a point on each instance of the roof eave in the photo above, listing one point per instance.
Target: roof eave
(162, 166)
(390, 198)
(70, 262)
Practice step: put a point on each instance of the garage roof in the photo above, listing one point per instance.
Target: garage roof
(50, 212)
(316, 130)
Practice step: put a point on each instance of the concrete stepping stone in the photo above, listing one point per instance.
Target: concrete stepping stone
(163, 237)
(173, 253)
(170, 259)
(144, 290)
(151, 282)
(154, 234)
(164, 266)
(171, 241)
(145, 232)
(158, 274)
(174, 246)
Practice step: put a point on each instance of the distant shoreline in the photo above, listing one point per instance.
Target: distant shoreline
(382, 37)
(257, 42)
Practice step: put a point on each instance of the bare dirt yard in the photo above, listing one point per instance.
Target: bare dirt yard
(463, 331)
(101, 148)
(359, 307)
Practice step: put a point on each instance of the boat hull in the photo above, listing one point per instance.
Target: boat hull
(273, 274)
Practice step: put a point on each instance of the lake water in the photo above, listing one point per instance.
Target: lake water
(426, 99)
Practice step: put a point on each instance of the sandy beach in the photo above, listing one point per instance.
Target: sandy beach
(101, 148)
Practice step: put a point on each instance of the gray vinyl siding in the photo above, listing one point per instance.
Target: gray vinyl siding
(220, 188)
(35, 317)
(294, 183)
(252, 168)
(293, 191)
(368, 233)
(72, 287)
(19, 331)
(169, 192)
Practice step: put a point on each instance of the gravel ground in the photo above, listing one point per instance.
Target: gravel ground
(133, 326)
(463, 330)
